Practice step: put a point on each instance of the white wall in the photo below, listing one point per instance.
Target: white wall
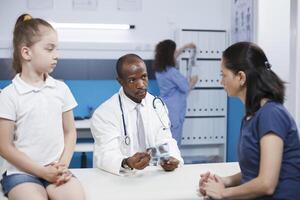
(156, 20)
(278, 34)
(274, 35)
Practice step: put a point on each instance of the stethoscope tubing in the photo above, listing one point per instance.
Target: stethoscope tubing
(157, 98)
(127, 138)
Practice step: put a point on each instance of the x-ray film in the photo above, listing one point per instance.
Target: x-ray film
(159, 154)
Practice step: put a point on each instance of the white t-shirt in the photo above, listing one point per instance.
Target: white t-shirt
(37, 113)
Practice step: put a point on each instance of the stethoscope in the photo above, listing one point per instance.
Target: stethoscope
(127, 138)
(166, 123)
(165, 126)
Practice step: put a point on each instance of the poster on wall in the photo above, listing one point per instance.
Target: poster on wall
(242, 20)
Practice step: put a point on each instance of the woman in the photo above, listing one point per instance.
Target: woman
(173, 86)
(269, 148)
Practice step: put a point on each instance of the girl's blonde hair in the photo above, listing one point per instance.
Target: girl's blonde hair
(26, 33)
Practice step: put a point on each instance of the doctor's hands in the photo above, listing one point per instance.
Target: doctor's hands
(139, 160)
(170, 164)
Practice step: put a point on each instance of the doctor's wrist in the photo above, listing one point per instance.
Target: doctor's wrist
(125, 164)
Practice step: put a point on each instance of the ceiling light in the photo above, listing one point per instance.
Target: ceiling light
(92, 26)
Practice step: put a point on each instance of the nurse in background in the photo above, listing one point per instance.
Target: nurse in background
(173, 86)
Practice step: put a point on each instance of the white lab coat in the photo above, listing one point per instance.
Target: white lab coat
(108, 132)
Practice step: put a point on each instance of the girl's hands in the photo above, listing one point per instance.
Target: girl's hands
(56, 173)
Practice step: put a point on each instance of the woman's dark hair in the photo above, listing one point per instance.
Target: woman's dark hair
(261, 81)
(164, 55)
(26, 33)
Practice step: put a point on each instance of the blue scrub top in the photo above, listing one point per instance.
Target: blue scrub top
(272, 117)
(174, 88)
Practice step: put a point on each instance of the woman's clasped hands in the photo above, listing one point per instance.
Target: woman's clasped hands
(211, 186)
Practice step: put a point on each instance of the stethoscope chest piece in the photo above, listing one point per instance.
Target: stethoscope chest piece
(127, 140)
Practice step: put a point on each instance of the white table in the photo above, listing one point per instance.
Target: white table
(150, 184)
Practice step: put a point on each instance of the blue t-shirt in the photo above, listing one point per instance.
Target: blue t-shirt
(272, 117)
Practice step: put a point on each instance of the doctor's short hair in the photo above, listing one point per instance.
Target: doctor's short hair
(126, 59)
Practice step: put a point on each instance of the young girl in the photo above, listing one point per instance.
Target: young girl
(269, 147)
(36, 119)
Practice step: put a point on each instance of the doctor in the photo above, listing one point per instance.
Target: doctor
(127, 124)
